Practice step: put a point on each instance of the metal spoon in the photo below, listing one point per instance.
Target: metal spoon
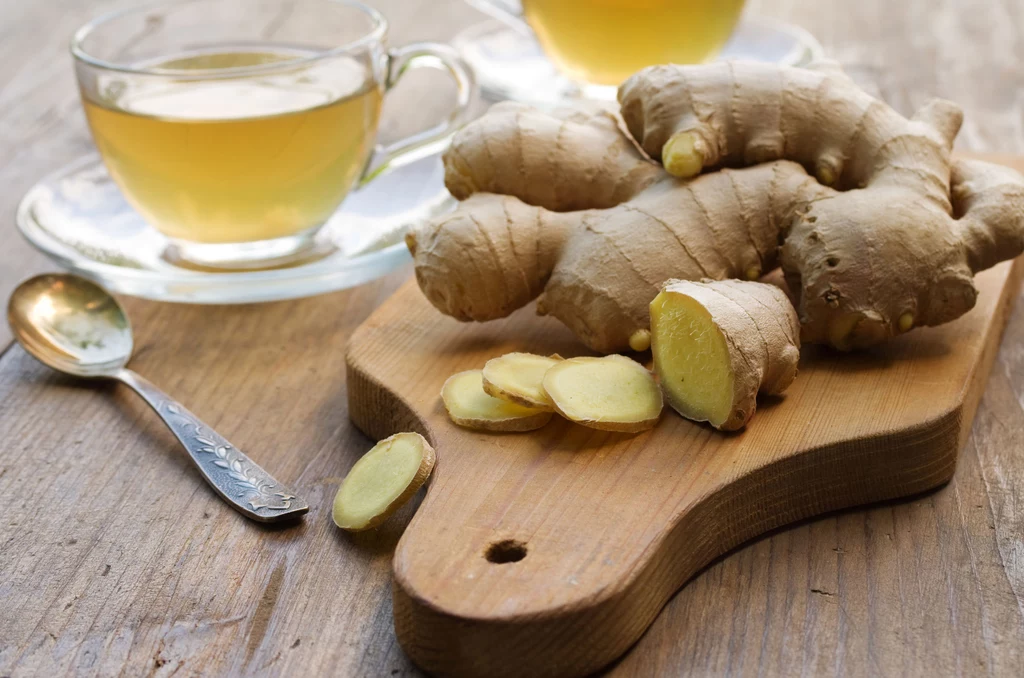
(76, 327)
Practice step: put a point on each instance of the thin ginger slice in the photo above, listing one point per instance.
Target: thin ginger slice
(382, 481)
(470, 406)
(612, 393)
(519, 378)
(717, 344)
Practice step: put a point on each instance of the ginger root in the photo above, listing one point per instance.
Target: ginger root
(612, 393)
(469, 405)
(519, 378)
(717, 344)
(382, 481)
(884, 235)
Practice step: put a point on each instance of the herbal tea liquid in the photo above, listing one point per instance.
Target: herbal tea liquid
(605, 41)
(239, 159)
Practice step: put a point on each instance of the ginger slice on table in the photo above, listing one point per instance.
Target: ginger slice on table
(382, 481)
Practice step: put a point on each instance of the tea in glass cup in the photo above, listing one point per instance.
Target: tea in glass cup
(596, 44)
(237, 133)
(603, 42)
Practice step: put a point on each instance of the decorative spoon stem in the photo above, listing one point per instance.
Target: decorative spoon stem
(238, 479)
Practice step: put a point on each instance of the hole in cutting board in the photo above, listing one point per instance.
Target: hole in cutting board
(505, 551)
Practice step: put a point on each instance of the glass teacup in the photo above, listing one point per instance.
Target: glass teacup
(237, 128)
(599, 43)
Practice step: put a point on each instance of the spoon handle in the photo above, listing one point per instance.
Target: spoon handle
(238, 479)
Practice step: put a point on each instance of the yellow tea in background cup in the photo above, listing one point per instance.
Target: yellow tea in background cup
(603, 42)
(236, 128)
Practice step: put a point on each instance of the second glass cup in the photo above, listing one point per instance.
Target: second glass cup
(237, 129)
(599, 43)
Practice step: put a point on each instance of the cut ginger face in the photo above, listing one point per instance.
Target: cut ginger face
(519, 378)
(382, 481)
(717, 344)
(470, 406)
(696, 369)
(613, 393)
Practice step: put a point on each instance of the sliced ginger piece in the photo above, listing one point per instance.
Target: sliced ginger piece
(612, 393)
(470, 406)
(382, 481)
(717, 344)
(519, 378)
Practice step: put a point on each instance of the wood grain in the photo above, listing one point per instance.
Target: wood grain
(932, 586)
(613, 524)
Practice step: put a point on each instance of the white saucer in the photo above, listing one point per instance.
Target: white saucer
(510, 64)
(78, 217)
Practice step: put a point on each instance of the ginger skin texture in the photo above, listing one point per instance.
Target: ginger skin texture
(884, 234)
(717, 344)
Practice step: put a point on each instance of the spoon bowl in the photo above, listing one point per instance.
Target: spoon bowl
(75, 326)
(71, 324)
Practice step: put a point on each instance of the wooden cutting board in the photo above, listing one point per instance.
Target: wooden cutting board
(549, 553)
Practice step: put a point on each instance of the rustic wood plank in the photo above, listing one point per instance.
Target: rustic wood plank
(42, 125)
(118, 557)
(94, 467)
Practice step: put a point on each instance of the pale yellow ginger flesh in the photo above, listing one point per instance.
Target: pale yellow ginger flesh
(469, 405)
(717, 344)
(695, 370)
(519, 378)
(382, 481)
(612, 393)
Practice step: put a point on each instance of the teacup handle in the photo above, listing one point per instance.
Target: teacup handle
(422, 144)
(509, 12)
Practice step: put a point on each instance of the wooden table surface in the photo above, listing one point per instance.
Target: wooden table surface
(116, 559)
